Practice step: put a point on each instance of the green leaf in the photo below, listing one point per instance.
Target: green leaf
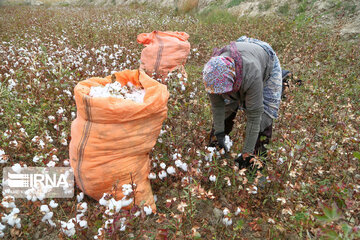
(346, 229)
(331, 213)
(322, 218)
(357, 155)
(331, 234)
(197, 236)
(98, 224)
(239, 225)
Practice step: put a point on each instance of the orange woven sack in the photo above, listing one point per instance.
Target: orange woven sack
(111, 138)
(164, 51)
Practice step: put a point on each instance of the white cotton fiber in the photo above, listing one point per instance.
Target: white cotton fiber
(116, 90)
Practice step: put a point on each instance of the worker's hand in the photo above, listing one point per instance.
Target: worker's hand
(220, 137)
(244, 161)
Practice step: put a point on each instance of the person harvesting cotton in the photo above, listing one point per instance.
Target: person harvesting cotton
(244, 75)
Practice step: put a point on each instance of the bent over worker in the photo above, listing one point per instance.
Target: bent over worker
(244, 75)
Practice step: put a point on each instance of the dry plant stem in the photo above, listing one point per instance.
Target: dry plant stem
(133, 188)
(191, 207)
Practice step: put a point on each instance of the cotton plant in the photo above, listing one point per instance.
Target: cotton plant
(162, 132)
(37, 192)
(113, 206)
(47, 218)
(178, 163)
(183, 166)
(69, 227)
(11, 218)
(80, 216)
(227, 221)
(8, 202)
(3, 157)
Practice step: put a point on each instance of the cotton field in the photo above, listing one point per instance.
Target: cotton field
(310, 186)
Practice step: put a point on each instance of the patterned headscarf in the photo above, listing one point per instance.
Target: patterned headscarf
(219, 75)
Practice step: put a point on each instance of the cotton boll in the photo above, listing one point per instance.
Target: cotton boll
(227, 221)
(51, 164)
(55, 158)
(116, 90)
(44, 209)
(171, 170)
(3, 157)
(82, 207)
(103, 201)
(178, 163)
(100, 233)
(163, 165)
(31, 195)
(80, 197)
(226, 211)
(60, 111)
(252, 190)
(16, 168)
(68, 227)
(47, 216)
(83, 224)
(2, 228)
(147, 210)
(53, 204)
(152, 175)
(8, 202)
(64, 142)
(176, 156)
(126, 202)
(122, 222)
(212, 178)
(238, 211)
(211, 151)
(12, 218)
(41, 144)
(36, 159)
(127, 189)
(228, 142)
(162, 174)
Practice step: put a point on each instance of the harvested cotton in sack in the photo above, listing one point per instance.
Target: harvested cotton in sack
(118, 121)
(129, 91)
